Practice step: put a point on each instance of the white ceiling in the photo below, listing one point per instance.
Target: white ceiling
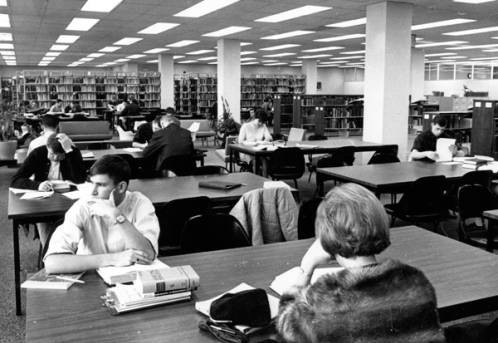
(36, 24)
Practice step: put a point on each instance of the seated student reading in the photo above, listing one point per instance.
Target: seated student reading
(424, 146)
(144, 131)
(370, 300)
(114, 227)
(255, 130)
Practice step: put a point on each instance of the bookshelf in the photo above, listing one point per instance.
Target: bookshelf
(283, 113)
(416, 115)
(485, 128)
(92, 90)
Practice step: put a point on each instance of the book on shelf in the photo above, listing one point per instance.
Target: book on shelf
(114, 275)
(42, 280)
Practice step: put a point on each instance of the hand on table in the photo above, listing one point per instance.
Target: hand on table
(46, 186)
(129, 257)
(432, 155)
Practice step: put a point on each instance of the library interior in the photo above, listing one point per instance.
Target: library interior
(249, 170)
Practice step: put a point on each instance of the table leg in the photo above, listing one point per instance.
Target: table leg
(17, 267)
(489, 235)
(230, 161)
(264, 167)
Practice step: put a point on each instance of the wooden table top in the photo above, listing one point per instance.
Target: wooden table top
(379, 177)
(98, 153)
(461, 275)
(114, 141)
(159, 191)
(317, 147)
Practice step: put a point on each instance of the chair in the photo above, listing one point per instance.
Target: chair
(286, 163)
(181, 165)
(423, 202)
(88, 131)
(317, 138)
(478, 177)
(380, 157)
(343, 156)
(213, 232)
(473, 200)
(306, 218)
(173, 216)
(135, 174)
(211, 170)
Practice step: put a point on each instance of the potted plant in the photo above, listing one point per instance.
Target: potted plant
(8, 141)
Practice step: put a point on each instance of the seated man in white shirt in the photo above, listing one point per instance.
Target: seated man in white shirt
(49, 124)
(255, 131)
(58, 107)
(113, 227)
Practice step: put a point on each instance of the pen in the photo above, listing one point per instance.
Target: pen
(69, 279)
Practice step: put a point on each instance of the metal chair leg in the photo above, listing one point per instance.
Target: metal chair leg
(295, 183)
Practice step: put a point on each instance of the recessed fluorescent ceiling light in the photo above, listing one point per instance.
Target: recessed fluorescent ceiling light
(127, 41)
(135, 56)
(472, 32)
(67, 39)
(473, 1)
(269, 61)
(248, 59)
(227, 31)
(428, 45)
(470, 47)
(7, 53)
(245, 43)
(3, 3)
(249, 63)
(6, 37)
(483, 58)
(95, 55)
(349, 23)
(441, 54)
(182, 43)
(295, 65)
(52, 53)
(289, 34)
(207, 58)
(155, 51)
(175, 57)
(43, 64)
(6, 46)
(490, 50)
(281, 54)
(454, 57)
(86, 59)
(4, 20)
(279, 47)
(100, 6)
(9, 57)
(188, 61)
(213, 63)
(153, 61)
(199, 52)
(294, 13)
(327, 48)
(59, 47)
(242, 53)
(352, 52)
(315, 56)
(347, 57)
(275, 64)
(122, 60)
(204, 7)
(338, 38)
(332, 62)
(157, 28)
(110, 48)
(81, 24)
(442, 23)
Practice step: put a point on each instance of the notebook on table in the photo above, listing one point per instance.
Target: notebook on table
(217, 184)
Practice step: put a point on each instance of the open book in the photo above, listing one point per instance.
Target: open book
(42, 280)
(443, 149)
(205, 306)
(286, 280)
(114, 275)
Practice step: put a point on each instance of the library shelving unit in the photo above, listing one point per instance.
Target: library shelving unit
(331, 115)
(9, 94)
(92, 90)
(416, 114)
(196, 94)
(459, 123)
(485, 128)
(283, 110)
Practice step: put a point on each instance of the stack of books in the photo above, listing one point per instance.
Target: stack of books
(474, 163)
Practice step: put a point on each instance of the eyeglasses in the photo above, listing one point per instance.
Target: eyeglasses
(223, 332)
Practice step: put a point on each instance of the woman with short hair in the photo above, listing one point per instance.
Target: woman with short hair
(369, 300)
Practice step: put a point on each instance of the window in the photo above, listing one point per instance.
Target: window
(446, 71)
(463, 71)
(482, 72)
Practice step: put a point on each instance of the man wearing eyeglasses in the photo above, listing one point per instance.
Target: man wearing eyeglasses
(110, 227)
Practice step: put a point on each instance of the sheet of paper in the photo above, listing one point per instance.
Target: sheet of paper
(19, 190)
(275, 184)
(443, 149)
(132, 149)
(306, 146)
(205, 306)
(194, 127)
(36, 195)
(451, 163)
(286, 280)
(74, 195)
(87, 154)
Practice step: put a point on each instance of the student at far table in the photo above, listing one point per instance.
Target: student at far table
(113, 227)
(255, 131)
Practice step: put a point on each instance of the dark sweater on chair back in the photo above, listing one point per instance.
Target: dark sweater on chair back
(386, 302)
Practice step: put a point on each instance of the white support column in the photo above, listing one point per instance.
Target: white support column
(417, 74)
(309, 69)
(229, 76)
(387, 73)
(130, 67)
(167, 70)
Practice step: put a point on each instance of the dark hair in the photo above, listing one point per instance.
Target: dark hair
(114, 166)
(75, 102)
(261, 115)
(50, 121)
(169, 110)
(54, 144)
(135, 101)
(59, 100)
(439, 121)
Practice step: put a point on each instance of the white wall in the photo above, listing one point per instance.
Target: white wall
(332, 80)
(455, 87)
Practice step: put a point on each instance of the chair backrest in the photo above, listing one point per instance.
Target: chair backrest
(181, 165)
(474, 199)
(210, 170)
(478, 177)
(287, 161)
(230, 140)
(306, 218)
(296, 134)
(133, 164)
(380, 157)
(343, 156)
(425, 195)
(90, 130)
(173, 216)
(213, 232)
(317, 138)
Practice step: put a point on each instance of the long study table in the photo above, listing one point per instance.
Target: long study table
(159, 191)
(463, 276)
(308, 147)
